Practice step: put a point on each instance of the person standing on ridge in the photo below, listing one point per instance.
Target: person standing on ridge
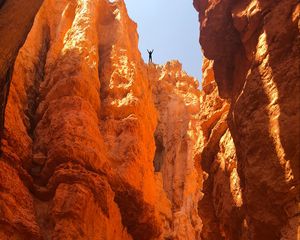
(150, 55)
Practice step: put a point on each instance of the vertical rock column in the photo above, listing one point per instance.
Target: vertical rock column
(177, 100)
(78, 141)
(128, 120)
(259, 74)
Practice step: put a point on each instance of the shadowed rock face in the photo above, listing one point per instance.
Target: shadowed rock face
(99, 145)
(16, 19)
(220, 206)
(254, 51)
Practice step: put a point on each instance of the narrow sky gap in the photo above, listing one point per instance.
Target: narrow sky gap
(171, 28)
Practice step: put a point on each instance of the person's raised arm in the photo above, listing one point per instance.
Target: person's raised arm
(148, 51)
(152, 51)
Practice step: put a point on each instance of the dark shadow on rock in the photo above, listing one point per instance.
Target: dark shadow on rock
(264, 178)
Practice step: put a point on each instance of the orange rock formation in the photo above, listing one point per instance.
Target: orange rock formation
(176, 98)
(253, 191)
(16, 19)
(99, 145)
(80, 131)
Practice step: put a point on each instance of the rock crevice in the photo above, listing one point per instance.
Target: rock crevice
(99, 145)
(262, 94)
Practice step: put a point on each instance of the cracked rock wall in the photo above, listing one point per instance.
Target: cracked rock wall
(78, 144)
(99, 145)
(82, 133)
(254, 47)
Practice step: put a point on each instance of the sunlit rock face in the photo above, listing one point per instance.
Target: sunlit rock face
(221, 204)
(80, 120)
(97, 144)
(254, 47)
(176, 97)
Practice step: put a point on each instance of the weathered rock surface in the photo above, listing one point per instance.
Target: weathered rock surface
(176, 98)
(220, 206)
(99, 145)
(16, 19)
(78, 137)
(254, 48)
(81, 133)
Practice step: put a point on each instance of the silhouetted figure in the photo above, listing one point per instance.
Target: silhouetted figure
(150, 55)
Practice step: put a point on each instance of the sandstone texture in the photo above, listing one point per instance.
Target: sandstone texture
(220, 206)
(253, 48)
(77, 139)
(85, 121)
(98, 145)
(16, 19)
(176, 97)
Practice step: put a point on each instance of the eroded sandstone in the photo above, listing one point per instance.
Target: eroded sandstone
(78, 89)
(99, 145)
(81, 133)
(258, 73)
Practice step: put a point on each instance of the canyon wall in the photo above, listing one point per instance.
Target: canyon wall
(252, 49)
(16, 19)
(97, 144)
(176, 97)
(220, 207)
(76, 129)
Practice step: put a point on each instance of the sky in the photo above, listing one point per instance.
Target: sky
(171, 28)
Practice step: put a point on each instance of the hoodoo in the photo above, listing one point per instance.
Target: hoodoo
(98, 145)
